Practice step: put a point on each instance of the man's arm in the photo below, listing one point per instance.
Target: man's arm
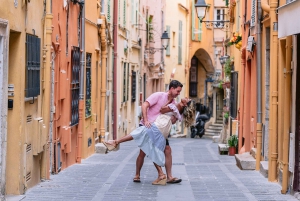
(145, 107)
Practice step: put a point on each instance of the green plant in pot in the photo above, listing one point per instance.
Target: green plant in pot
(226, 116)
(232, 143)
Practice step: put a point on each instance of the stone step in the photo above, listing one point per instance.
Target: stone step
(212, 131)
(216, 129)
(217, 125)
(253, 152)
(264, 168)
(219, 122)
(223, 149)
(245, 161)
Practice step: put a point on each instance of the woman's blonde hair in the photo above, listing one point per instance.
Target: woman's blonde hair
(189, 114)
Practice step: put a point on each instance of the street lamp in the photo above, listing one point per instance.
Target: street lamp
(201, 7)
(165, 40)
(223, 59)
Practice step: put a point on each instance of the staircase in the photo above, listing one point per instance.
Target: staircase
(215, 128)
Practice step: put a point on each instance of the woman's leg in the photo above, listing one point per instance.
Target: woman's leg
(114, 143)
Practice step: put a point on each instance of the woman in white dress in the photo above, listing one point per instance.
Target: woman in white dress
(152, 141)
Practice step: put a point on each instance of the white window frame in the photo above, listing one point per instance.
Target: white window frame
(219, 17)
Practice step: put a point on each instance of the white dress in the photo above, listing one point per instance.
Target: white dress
(152, 141)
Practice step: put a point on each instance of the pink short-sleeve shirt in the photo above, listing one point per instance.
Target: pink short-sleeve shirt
(156, 101)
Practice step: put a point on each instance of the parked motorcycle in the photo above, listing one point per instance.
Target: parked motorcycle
(201, 117)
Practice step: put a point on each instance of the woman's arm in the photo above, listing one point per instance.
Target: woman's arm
(164, 109)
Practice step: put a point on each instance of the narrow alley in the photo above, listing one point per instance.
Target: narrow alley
(205, 175)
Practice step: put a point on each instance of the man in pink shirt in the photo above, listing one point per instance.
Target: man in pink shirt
(150, 110)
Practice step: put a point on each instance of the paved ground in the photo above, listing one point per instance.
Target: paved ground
(206, 176)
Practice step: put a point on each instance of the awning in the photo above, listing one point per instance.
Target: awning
(288, 16)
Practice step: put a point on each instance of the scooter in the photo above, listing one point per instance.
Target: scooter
(199, 127)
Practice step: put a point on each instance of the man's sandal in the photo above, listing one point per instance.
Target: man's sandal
(174, 181)
(110, 146)
(137, 179)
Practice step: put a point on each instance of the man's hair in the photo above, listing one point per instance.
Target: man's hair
(175, 84)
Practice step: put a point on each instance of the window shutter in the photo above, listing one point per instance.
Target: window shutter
(133, 86)
(193, 77)
(193, 20)
(124, 82)
(127, 84)
(119, 14)
(253, 13)
(238, 16)
(108, 11)
(132, 12)
(124, 13)
(33, 54)
(168, 53)
(180, 43)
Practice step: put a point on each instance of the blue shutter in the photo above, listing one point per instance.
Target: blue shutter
(168, 53)
(180, 43)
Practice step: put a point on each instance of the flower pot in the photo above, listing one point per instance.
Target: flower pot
(231, 151)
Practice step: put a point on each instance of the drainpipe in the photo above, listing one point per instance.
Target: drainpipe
(47, 47)
(286, 121)
(81, 90)
(115, 38)
(259, 86)
(103, 75)
(273, 153)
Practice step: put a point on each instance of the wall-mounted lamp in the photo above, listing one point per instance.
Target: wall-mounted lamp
(223, 59)
(165, 40)
(201, 8)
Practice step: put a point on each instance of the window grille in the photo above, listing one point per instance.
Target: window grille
(88, 86)
(193, 77)
(33, 57)
(75, 56)
(233, 94)
(180, 43)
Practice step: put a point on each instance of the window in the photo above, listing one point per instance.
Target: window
(219, 16)
(180, 43)
(33, 58)
(108, 11)
(124, 13)
(168, 53)
(193, 77)
(75, 59)
(174, 38)
(88, 87)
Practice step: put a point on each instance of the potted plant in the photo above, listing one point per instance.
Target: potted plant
(232, 143)
(226, 116)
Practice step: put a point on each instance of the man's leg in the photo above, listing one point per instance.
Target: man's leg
(139, 165)
(168, 155)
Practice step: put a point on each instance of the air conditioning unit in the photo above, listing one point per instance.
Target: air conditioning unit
(250, 44)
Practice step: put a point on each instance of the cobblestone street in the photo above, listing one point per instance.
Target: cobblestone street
(206, 176)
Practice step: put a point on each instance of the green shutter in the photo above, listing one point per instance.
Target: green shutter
(193, 20)
(108, 11)
(199, 30)
(124, 13)
(238, 17)
(127, 92)
(119, 14)
(180, 43)
(132, 12)
(168, 53)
